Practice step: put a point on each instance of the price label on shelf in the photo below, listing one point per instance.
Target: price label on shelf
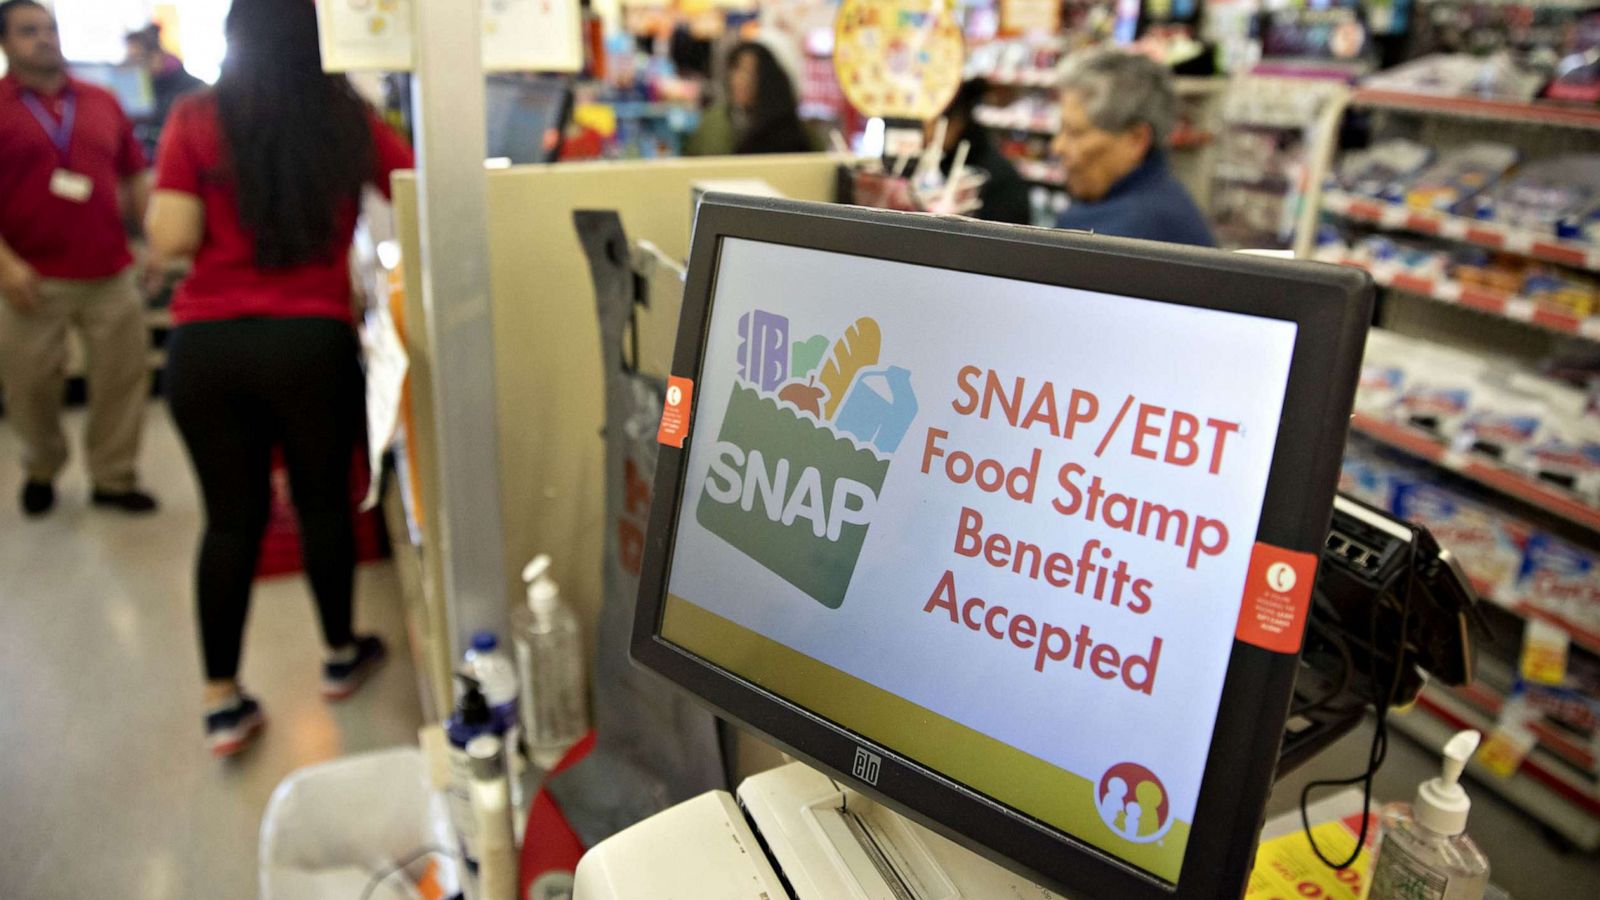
(1505, 750)
(1512, 739)
(1519, 242)
(1520, 308)
(1544, 653)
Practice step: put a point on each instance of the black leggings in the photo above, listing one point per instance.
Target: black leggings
(237, 389)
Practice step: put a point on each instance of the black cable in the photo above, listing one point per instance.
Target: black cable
(1347, 666)
(382, 875)
(1379, 750)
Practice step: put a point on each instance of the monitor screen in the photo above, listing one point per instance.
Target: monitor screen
(130, 84)
(923, 505)
(1006, 528)
(524, 117)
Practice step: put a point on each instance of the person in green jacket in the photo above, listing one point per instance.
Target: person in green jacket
(760, 112)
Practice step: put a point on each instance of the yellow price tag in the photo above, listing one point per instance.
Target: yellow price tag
(1505, 750)
(1287, 869)
(1544, 653)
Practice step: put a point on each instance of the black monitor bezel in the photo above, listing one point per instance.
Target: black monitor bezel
(1332, 307)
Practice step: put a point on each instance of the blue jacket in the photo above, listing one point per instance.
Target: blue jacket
(1146, 203)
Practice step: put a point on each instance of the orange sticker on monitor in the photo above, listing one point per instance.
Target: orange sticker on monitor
(675, 413)
(1277, 598)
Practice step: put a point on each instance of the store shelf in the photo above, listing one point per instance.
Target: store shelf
(1041, 173)
(1483, 471)
(1398, 217)
(1543, 786)
(1183, 85)
(1504, 111)
(1000, 119)
(1504, 304)
(1586, 638)
(1023, 78)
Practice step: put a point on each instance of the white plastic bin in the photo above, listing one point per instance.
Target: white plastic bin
(330, 828)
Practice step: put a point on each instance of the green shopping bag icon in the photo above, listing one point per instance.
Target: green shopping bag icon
(791, 494)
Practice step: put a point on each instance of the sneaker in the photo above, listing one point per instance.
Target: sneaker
(231, 730)
(341, 679)
(133, 502)
(38, 498)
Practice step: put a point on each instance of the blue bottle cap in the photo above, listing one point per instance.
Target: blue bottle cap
(485, 641)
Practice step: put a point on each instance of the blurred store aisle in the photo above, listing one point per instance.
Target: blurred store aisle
(107, 788)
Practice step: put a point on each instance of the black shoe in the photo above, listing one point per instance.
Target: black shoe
(38, 498)
(341, 679)
(135, 502)
(230, 731)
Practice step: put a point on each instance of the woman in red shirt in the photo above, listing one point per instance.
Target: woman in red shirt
(258, 180)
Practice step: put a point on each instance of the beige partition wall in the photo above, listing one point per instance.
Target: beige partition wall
(547, 343)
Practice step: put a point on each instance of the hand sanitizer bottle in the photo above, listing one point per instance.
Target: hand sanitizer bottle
(555, 704)
(1423, 851)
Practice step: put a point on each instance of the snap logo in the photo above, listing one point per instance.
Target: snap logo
(797, 467)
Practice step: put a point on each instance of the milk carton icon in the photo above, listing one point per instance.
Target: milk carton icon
(880, 408)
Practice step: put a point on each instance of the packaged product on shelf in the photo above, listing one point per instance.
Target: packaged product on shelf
(1556, 197)
(1561, 580)
(1484, 268)
(1567, 453)
(1495, 77)
(1569, 457)
(1438, 393)
(1381, 170)
(1460, 174)
(1371, 476)
(1331, 247)
(1488, 544)
(1573, 712)
(1579, 294)
(1504, 422)
(1383, 371)
(1414, 256)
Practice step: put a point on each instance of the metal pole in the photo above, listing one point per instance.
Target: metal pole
(448, 94)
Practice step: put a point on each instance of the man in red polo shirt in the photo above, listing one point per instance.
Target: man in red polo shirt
(70, 170)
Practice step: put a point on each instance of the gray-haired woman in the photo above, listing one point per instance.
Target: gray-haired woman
(1117, 111)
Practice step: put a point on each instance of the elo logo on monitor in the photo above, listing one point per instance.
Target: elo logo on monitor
(867, 765)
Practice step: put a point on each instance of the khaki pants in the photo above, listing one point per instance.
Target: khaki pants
(109, 317)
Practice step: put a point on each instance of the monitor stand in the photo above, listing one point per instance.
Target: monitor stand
(798, 829)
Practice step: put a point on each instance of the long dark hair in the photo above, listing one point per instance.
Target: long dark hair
(775, 121)
(298, 140)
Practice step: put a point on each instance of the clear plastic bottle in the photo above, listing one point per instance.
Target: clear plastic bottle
(497, 677)
(471, 719)
(555, 703)
(1423, 851)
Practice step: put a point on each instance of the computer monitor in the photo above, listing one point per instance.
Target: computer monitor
(130, 84)
(1014, 530)
(525, 116)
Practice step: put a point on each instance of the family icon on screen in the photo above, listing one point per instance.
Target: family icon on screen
(1133, 803)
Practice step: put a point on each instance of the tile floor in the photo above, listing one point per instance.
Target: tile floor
(106, 789)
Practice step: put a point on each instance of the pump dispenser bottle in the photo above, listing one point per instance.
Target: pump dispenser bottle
(1423, 851)
(555, 708)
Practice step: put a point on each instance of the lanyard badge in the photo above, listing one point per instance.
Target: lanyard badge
(64, 183)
